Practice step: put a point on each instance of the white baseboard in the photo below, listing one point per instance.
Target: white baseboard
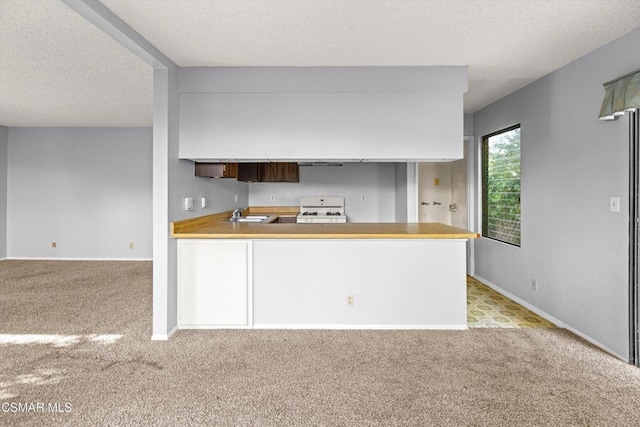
(330, 327)
(363, 327)
(187, 327)
(75, 259)
(559, 323)
(164, 337)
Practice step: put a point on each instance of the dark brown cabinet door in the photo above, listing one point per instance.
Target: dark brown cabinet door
(269, 172)
(282, 172)
(217, 170)
(251, 172)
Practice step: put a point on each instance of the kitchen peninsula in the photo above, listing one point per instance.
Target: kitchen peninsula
(354, 275)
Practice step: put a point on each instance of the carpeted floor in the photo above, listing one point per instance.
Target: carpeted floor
(95, 360)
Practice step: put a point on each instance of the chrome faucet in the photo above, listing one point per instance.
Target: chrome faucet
(237, 213)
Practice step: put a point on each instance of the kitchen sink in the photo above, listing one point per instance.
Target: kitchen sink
(255, 218)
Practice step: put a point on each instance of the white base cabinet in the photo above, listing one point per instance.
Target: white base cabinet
(213, 283)
(360, 283)
(328, 284)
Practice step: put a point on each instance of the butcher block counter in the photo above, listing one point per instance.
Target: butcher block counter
(319, 276)
(218, 226)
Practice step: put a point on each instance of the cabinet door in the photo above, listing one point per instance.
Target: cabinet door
(216, 170)
(212, 283)
(251, 172)
(281, 172)
(278, 126)
(412, 126)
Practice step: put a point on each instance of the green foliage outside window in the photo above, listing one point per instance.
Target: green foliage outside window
(501, 185)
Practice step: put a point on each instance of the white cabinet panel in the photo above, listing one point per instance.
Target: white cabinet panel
(393, 283)
(412, 126)
(321, 126)
(213, 283)
(270, 126)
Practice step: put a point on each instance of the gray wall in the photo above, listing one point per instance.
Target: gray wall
(468, 124)
(401, 192)
(376, 181)
(400, 79)
(572, 163)
(4, 144)
(87, 189)
(220, 193)
(173, 181)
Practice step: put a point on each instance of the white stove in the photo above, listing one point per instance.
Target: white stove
(319, 210)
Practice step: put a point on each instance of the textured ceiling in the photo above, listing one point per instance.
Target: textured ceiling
(56, 68)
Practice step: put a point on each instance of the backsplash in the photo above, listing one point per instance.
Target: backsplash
(368, 189)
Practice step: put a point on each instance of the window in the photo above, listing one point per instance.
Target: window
(501, 185)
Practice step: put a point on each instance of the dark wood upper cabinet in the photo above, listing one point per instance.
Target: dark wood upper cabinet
(282, 172)
(251, 172)
(269, 172)
(217, 170)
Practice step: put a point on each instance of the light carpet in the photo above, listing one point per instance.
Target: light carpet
(96, 360)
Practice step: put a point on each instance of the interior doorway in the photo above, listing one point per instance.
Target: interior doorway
(442, 193)
(444, 190)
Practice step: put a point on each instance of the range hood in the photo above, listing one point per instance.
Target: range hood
(319, 163)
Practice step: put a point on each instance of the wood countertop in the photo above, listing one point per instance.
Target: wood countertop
(218, 226)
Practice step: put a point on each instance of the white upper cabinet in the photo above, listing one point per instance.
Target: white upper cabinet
(406, 127)
(270, 126)
(340, 114)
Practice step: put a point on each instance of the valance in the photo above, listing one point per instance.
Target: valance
(622, 94)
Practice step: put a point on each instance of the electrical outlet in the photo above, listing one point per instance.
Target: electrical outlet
(350, 300)
(236, 198)
(54, 245)
(131, 245)
(534, 285)
(364, 197)
(204, 202)
(273, 197)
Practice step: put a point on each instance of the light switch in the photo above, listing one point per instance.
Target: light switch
(436, 181)
(614, 204)
(188, 203)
